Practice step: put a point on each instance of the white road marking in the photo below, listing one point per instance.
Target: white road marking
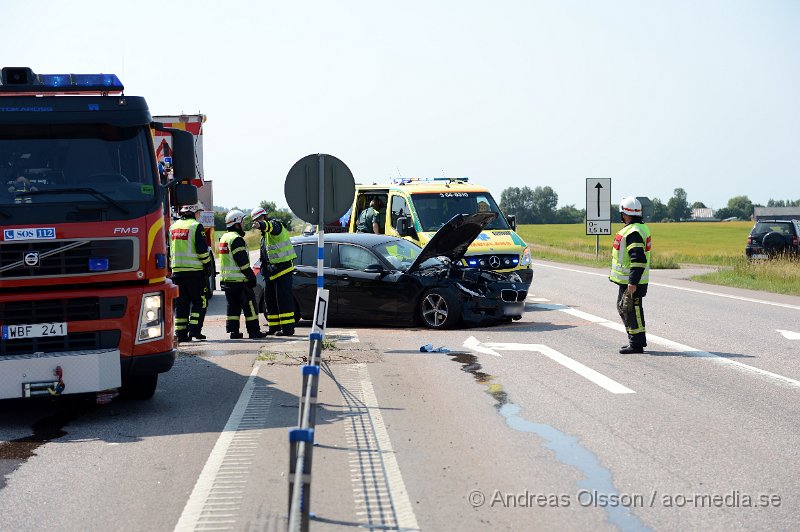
(789, 335)
(675, 346)
(695, 290)
(475, 344)
(380, 495)
(584, 371)
(222, 477)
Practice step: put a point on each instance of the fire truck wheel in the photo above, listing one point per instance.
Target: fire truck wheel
(139, 387)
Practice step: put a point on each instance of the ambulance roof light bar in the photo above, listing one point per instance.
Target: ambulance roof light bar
(419, 180)
(23, 80)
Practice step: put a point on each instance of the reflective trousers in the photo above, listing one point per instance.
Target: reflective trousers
(241, 300)
(280, 303)
(192, 301)
(633, 318)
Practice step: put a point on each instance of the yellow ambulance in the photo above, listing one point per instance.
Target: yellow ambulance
(416, 208)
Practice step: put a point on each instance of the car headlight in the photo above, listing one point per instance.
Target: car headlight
(525, 260)
(151, 318)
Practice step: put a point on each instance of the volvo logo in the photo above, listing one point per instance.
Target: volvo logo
(494, 261)
(31, 259)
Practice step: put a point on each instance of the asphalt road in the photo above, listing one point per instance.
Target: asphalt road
(539, 424)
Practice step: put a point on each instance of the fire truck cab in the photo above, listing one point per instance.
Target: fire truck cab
(85, 301)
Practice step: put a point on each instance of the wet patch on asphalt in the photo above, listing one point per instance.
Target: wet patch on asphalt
(16, 452)
(567, 449)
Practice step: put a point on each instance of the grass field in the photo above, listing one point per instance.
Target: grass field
(711, 243)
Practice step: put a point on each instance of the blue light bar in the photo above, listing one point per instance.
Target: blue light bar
(97, 80)
(55, 80)
(24, 80)
(98, 264)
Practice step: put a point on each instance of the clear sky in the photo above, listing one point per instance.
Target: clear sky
(699, 94)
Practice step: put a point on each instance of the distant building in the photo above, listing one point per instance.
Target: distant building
(703, 215)
(776, 213)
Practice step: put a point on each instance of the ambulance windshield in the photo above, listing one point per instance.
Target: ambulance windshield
(435, 209)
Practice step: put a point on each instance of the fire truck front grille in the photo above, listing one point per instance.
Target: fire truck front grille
(62, 310)
(57, 258)
(75, 341)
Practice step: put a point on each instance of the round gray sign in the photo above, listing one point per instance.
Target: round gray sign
(302, 188)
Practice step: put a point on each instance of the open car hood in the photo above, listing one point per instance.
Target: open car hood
(454, 237)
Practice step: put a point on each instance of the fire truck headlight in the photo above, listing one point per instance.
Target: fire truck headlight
(151, 318)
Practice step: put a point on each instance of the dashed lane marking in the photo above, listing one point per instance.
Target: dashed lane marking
(695, 290)
(675, 346)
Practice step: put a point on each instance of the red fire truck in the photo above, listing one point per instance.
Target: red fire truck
(85, 301)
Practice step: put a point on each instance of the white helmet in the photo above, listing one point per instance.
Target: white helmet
(258, 211)
(630, 206)
(194, 208)
(234, 217)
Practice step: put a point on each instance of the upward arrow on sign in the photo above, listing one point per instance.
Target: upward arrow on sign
(598, 186)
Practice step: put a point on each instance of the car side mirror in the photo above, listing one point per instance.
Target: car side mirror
(512, 221)
(401, 226)
(374, 268)
(185, 194)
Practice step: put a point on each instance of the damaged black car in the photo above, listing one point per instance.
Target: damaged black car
(381, 279)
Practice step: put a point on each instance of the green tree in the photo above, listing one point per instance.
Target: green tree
(659, 211)
(678, 207)
(699, 205)
(518, 202)
(545, 201)
(741, 207)
(569, 214)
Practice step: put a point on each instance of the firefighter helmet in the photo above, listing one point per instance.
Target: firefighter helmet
(194, 208)
(630, 206)
(257, 213)
(234, 217)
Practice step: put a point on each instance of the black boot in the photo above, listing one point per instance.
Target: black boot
(628, 349)
(285, 332)
(257, 334)
(183, 336)
(197, 334)
(236, 335)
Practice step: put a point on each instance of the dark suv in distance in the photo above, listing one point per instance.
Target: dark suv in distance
(772, 238)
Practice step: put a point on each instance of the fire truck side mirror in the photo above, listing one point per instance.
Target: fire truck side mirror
(183, 159)
(185, 194)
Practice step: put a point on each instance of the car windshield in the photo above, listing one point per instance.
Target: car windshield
(86, 163)
(435, 210)
(402, 253)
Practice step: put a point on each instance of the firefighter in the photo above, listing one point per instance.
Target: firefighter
(237, 278)
(277, 269)
(630, 269)
(191, 266)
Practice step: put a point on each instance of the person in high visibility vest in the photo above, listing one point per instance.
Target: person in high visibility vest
(237, 278)
(277, 272)
(630, 269)
(191, 266)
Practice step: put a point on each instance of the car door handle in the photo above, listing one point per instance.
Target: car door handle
(345, 276)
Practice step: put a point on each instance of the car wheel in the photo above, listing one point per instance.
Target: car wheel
(439, 309)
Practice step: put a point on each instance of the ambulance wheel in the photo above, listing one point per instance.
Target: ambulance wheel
(139, 387)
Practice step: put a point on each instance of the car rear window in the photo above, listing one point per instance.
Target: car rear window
(763, 228)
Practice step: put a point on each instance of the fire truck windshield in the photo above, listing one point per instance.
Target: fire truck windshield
(76, 172)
